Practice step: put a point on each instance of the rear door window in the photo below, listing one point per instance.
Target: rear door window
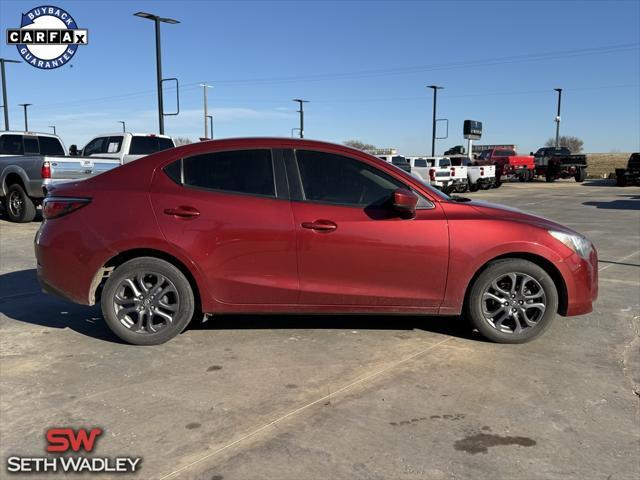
(50, 146)
(149, 145)
(239, 171)
(11, 145)
(114, 144)
(95, 146)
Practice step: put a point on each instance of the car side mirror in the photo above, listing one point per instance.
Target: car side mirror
(405, 201)
(531, 153)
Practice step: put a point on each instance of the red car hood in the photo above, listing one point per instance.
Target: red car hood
(504, 212)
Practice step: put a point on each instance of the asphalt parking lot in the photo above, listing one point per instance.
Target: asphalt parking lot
(343, 397)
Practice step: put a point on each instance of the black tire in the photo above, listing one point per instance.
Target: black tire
(18, 206)
(523, 177)
(621, 181)
(538, 280)
(581, 175)
(473, 187)
(497, 184)
(181, 293)
(550, 179)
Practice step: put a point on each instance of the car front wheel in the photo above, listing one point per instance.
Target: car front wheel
(512, 301)
(147, 301)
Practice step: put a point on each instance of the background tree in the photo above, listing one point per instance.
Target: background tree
(572, 143)
(182, 141)
(359, 145)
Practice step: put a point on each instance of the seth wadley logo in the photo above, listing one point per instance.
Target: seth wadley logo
(67, 441)
(48, 37)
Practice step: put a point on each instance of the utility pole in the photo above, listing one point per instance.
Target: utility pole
(559, 90)
(26, 121)
(301, 112)
(157, 20)
(54, 129)
(5, 103)
(206, 112)
(124, 125)
(433, 129)
(210, 117)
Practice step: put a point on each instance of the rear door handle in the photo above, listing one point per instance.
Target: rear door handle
(320, 225)
(182, 212)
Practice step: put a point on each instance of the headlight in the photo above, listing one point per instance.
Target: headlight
(577, 243)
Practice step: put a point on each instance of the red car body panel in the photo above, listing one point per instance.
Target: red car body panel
(248, 253)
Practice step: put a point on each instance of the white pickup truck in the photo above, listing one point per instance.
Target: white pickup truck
(479, 176)
(126, 146)
(430, 171)
(30, 162)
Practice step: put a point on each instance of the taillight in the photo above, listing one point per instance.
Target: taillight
(54, 207)
(453, 171)
(432, 175)
(482, 171)
(45, 171)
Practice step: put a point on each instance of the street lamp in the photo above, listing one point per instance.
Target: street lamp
(559, 90)
(301, 112)
(206, 113)
(157, 20)
(54, 129)
(26, 122)
(5, 103)
(433, 129)
(124, 125)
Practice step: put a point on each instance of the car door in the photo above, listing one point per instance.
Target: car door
(353, 250)
(223, 211)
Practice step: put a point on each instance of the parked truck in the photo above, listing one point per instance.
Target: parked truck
(508, 164)
(434, 171)
(479, 176)
(558, 162)
(397, 160)
(631, 174)
(30, 162)
(126, 146)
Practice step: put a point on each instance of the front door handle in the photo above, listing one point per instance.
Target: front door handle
(183, 212)
(320, 225)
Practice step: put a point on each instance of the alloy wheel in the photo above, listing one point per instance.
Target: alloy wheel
(513, 302)
(146, 302)
(15, 204)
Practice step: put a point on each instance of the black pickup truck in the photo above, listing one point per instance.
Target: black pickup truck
(552, 163)
(631, 174)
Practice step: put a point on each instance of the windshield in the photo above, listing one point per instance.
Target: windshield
(149, 145)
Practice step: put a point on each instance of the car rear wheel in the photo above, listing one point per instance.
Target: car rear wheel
(147, 301)
(581, 175)
(19, 207)
(512, 301)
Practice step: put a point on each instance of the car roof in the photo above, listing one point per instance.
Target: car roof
(39, 134)
(116, 134)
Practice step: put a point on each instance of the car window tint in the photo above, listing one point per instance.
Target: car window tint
(50, 146)
(445, 162)
(420, 162)
(31, 146)
(342, 180)
(240, 171)
(149, 145)
(97, 145)
(11, 145)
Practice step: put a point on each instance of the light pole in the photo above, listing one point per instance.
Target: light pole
(157, 20)
(559, 90)
(206, 113)
(26, 121)
(124, 125)
(433, 128)
(5, 103)
(301, 112)
(210, 117)
(54, 129)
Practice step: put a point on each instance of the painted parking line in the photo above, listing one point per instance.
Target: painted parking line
(618, 261)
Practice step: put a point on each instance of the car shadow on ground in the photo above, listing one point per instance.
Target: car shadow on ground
(21, 300)
(631, 202)
(599, 182)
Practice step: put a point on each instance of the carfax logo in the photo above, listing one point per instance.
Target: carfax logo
(48, 37)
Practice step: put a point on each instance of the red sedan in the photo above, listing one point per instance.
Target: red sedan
(297, 226)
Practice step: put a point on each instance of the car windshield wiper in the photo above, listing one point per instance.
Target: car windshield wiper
(456, 198)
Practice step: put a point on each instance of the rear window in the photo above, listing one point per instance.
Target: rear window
(11, 145)
(445, 162)
(239, 171)
(50, 146)
(149, 145)
(31, 146)
(420, 162)
(504, 153)
(398, 160)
